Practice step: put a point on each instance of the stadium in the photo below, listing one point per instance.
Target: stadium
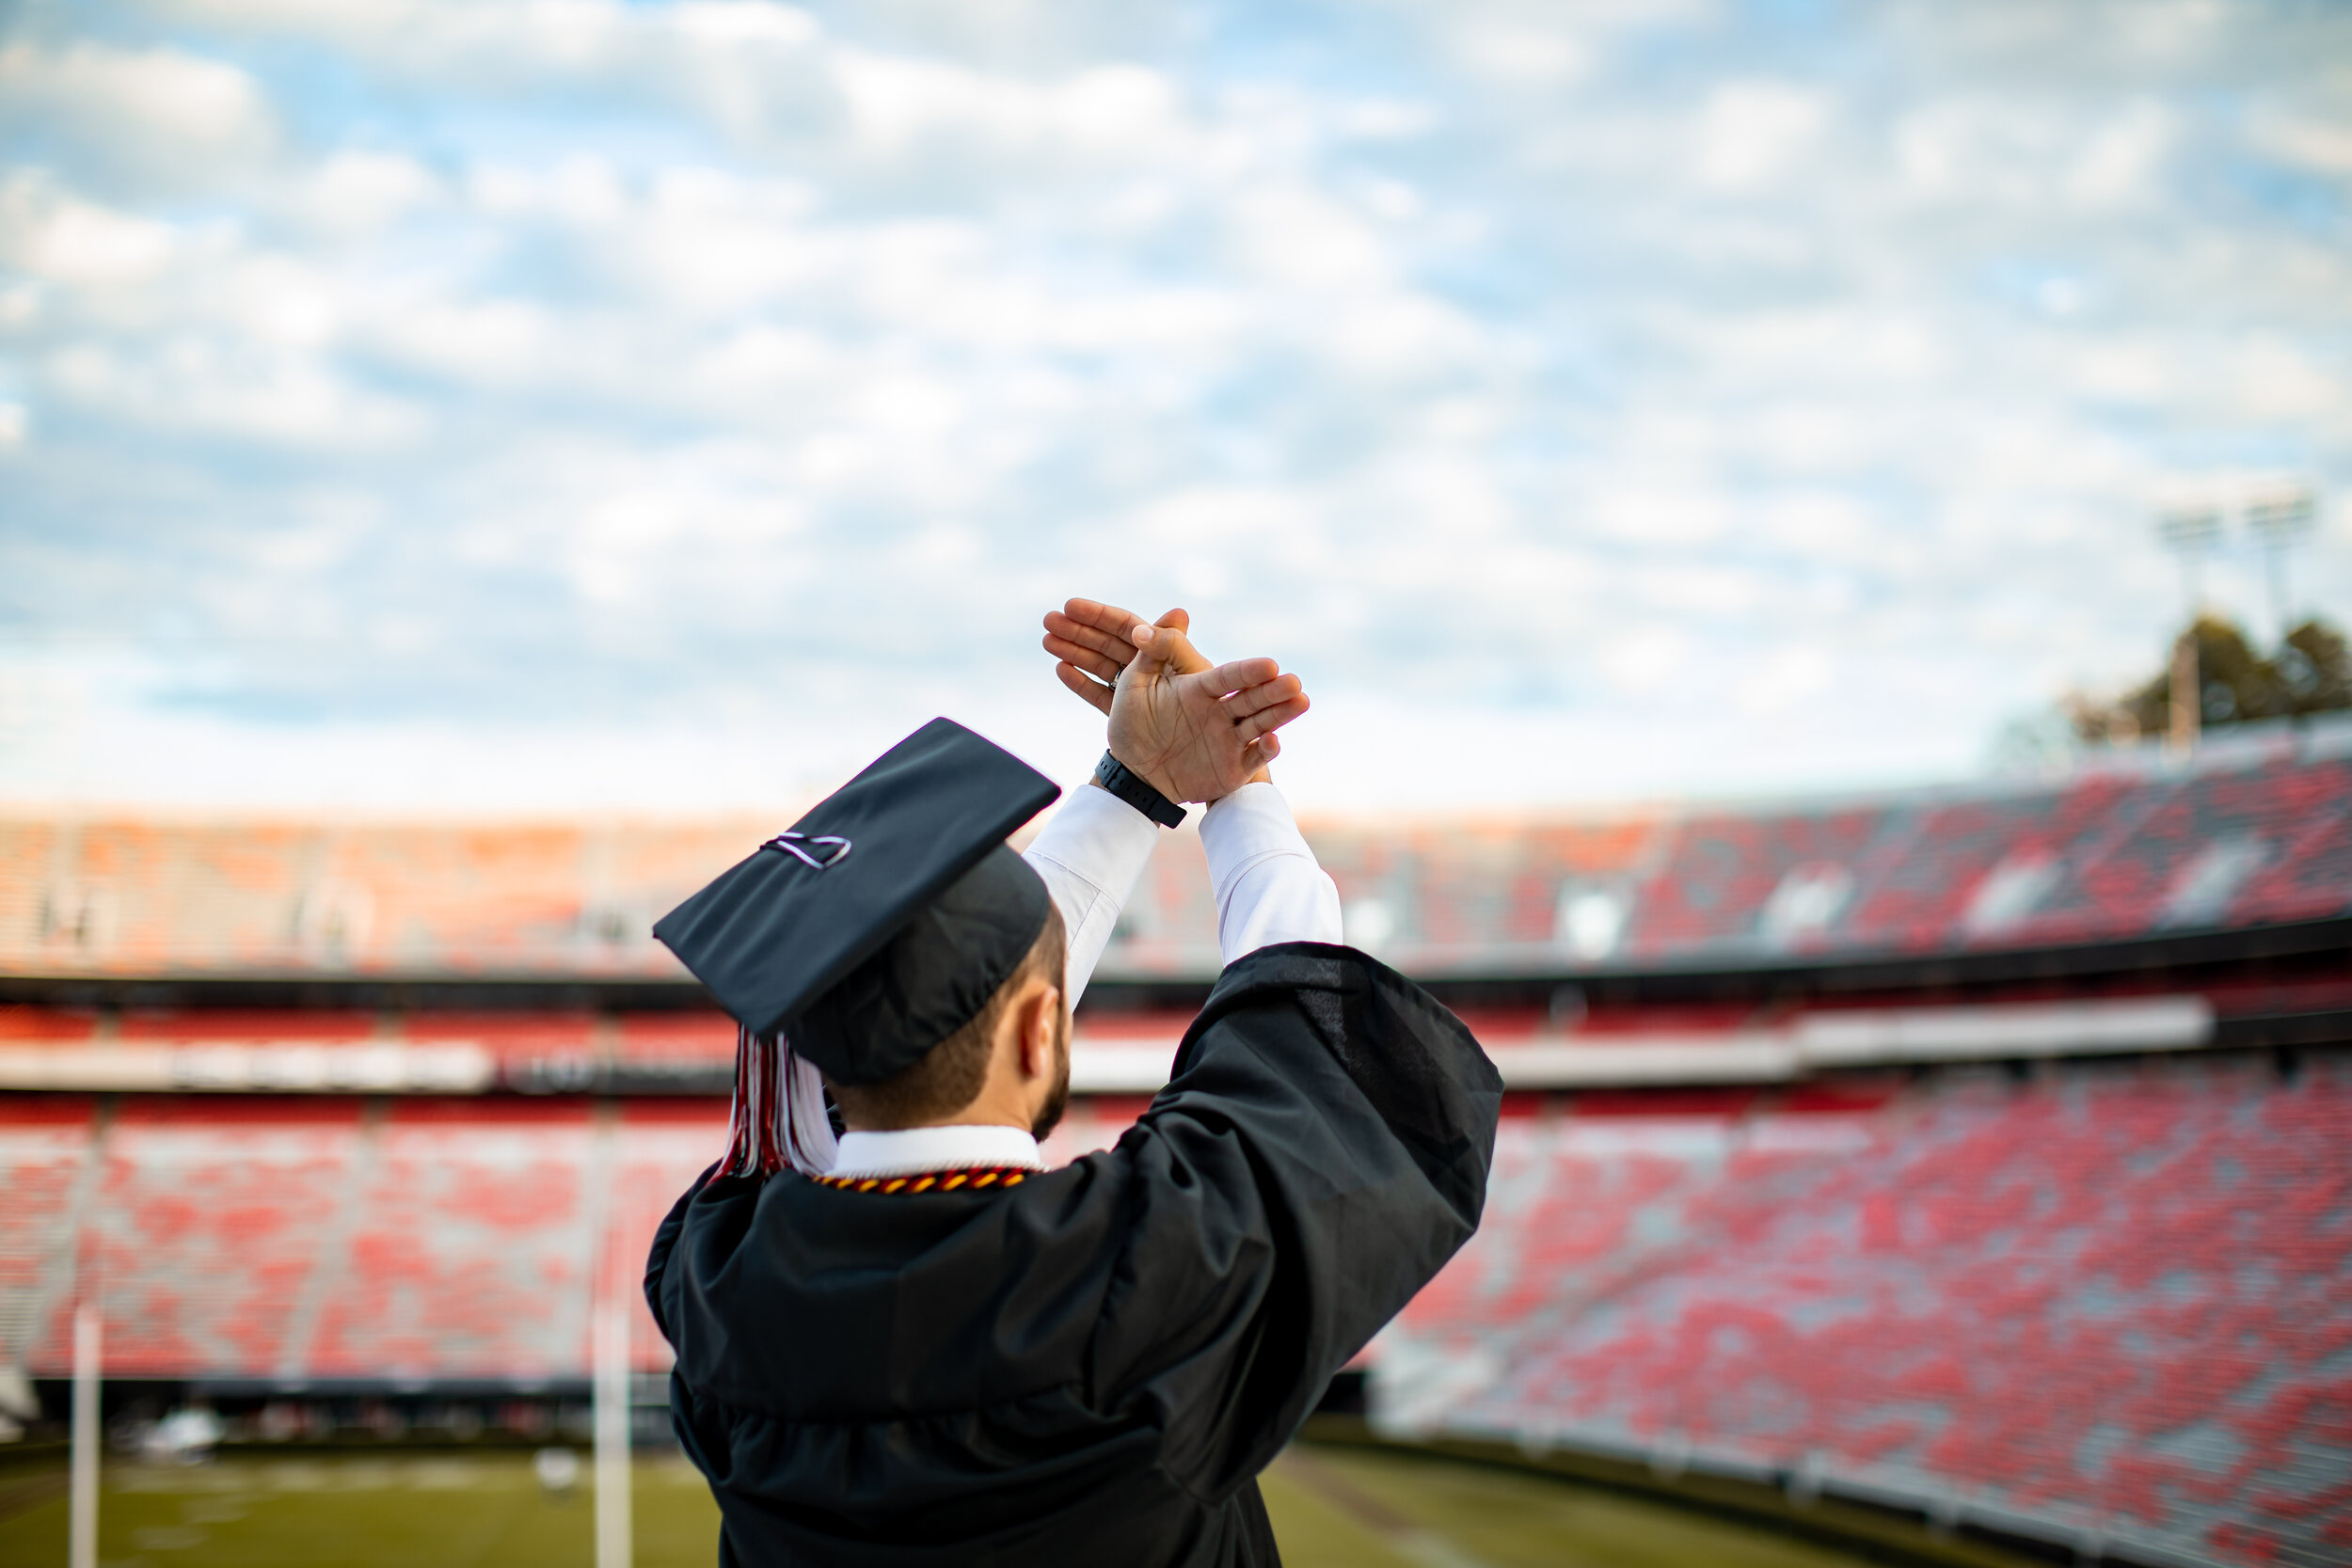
(1947, 1175)
(1759, 971)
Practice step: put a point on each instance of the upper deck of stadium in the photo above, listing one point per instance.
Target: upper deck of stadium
(2251, 833)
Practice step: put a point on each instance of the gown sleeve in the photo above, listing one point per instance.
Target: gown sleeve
(664, 1243)
(1320, 1153)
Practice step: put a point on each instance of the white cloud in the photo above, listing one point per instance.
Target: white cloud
(1662, 393)
(60, 238)
(1751, 133)
(482, 343)
(2307, 141)
(357, 194)
(1531, 45)
(154, 115)
(732, 24)
(2121, 163)
(1520, 51)
(1098, 116)
(194, 387)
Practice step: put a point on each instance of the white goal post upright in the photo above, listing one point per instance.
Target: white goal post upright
(610, 1356)
(82, 1506)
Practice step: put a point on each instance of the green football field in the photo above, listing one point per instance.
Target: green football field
(1332, 1509)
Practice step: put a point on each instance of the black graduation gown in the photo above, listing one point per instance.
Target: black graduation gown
(1092, 1367)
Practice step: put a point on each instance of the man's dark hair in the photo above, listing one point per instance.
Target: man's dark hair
(949, 1076)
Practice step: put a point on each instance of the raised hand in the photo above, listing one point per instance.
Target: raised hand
(1098, 640)
(1198, 734)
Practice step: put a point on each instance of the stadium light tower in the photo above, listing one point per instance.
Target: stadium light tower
(2191, 532)
(2281, 520)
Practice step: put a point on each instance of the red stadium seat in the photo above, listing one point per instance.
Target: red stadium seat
(2113, 1296)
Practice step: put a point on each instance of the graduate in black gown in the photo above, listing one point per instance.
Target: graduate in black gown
(916, 1345)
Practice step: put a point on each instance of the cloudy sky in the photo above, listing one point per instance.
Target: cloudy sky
(562, 404)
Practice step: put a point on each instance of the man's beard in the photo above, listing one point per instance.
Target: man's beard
(1049, 1115)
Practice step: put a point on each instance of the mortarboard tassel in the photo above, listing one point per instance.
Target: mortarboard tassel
(778, 1117)
(808, 1136)
(741, 1156)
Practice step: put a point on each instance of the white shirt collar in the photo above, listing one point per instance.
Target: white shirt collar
(916, 1151)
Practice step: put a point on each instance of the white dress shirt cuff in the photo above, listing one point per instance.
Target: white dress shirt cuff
(1091, 853)
(1268, 887)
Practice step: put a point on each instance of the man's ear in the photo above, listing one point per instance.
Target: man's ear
(1040, 1011)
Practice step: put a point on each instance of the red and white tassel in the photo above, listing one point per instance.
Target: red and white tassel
(778, 1118)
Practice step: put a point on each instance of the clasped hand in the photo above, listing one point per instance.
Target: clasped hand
(1193, 730)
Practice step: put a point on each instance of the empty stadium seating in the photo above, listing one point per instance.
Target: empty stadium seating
(2111, 1297)
(199, 1238)
(1717, 890)
(2107, 856)
(298, 1238)
(1929, 890)
(45, 1155)
(473, 1231)
(2184, 852)
(2107, 1298)
(2252, 831)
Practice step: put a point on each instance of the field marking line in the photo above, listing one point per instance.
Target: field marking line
(1431, 1551)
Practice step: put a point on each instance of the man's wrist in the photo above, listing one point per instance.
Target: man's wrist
(1122, 746)
(1262, 776)
(1138, 791)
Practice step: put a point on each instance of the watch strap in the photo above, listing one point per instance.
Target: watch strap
(1130, 786)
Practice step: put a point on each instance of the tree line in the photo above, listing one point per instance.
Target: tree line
(2309, 672)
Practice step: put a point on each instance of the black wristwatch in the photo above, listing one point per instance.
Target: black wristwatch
(1113, 775)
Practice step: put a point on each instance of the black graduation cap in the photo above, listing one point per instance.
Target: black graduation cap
(882, 921)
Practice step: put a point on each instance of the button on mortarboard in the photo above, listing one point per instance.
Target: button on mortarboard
(898, 884)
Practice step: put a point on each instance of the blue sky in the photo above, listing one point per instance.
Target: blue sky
(564, 404)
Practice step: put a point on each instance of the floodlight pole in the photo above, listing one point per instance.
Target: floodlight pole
(2187, 695)
(82, 1506)
(2281, 521)
(610, 1353)
(2191, 532)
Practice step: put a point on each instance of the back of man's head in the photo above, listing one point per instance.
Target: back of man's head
(949, 1077)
